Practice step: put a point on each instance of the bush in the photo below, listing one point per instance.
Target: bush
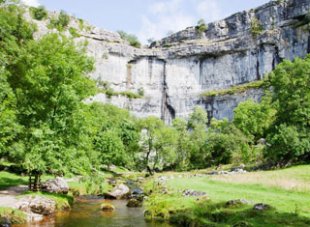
(39, 13)
(61, 22)
(256, 27)
(201, 26)
(74, 32)
(131, 39)
(287, 144)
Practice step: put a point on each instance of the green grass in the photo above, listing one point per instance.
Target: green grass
(234, 89)
(10, 180)
(15, 216)
(291, 206)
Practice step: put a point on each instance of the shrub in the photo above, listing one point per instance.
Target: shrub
(39, 13)
(201, 26)
(256, 27)
(74, 32)
(131, 39)
(61, 22)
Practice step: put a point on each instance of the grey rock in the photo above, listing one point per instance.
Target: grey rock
(57, 185)
(119, 192)
(261, 207)
(193, 193)
(37, 205)
(236, 202)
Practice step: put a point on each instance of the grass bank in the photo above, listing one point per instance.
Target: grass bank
(13, 215)
(290, 205)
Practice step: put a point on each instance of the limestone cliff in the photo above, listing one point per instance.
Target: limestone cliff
(176, 70)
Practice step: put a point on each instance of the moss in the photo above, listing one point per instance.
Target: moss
(256, 27)
(234, 89)
(14, 216)
(129, 94)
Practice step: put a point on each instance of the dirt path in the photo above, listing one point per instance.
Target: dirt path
(8, 197)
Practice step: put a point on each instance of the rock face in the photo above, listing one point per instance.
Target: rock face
(57, 185)
(175, 71)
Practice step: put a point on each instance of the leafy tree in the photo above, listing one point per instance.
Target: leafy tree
(197, 124)
(289, 136)
(111, 148)
(225, 142)
(182, 143)
(149, 127)
(253, 118)
(287, 145)
(49, 82)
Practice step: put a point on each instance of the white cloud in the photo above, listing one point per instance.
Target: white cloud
(174, 15)
(165, 16)
(31, 2)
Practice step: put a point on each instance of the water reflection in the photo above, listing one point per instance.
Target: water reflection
(86, 213)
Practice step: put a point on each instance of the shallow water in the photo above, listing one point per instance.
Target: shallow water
(87, 213)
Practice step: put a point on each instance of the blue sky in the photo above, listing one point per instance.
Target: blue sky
(148, 18)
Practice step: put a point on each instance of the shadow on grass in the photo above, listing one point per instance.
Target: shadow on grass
(239, 216)
(6, 182)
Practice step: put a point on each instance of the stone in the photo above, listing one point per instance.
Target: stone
(5, 222)
(236, 202)
(261, 207)
(119, 192)
(134, 203)
(190, 193)
(107, 207)
(57, 185)
(238, 171)
(37, 205)
(261, 141)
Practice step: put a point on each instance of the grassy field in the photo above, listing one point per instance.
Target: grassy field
(286, 191)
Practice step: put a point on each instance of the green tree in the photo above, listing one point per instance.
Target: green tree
(290, 83)
(254, 118)
(182, 143)
(49, 82)
(149, 127)
(197, 125)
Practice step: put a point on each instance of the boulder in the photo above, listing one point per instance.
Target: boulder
(189, 193)
(236, 202)
(134, 203)
(37, 205)
(119, 192)
(57, 185)
(261, 207)
(107, 207)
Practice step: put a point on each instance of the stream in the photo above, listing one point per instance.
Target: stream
(86, 212)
